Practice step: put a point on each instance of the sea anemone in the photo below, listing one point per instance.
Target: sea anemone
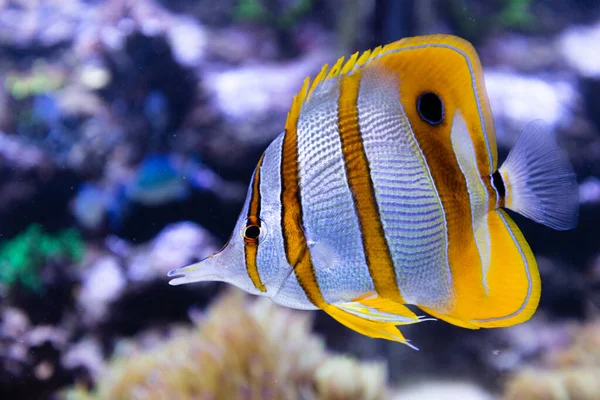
(240, 349)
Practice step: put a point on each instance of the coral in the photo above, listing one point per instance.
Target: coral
(30, 366)
(578, 383)
(22, 257)
(286, 18)
(239, 350)
(43, 78)
(341, 377)
(516, 14)
(283, 18)
(440, 389)
(572, 373)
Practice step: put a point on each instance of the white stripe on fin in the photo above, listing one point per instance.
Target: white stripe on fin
(527, 267)
(478, 195)
(372, 313)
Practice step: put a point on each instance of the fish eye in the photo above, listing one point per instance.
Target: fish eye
(252, 232)
(430, 108)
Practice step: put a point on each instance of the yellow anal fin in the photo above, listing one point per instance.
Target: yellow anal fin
(449, 319)
(375, 317)
(371, 328)
(513, 278)
(376, 308)
(510, 291)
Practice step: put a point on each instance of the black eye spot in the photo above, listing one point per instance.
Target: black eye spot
(252, 232)
(430, 108)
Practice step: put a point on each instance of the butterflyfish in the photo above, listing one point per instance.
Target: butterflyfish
(384, 191)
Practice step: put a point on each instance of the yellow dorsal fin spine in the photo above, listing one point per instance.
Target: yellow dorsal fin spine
(340, 68)
(349, 66)
(376, 51)
(297, 102)
(318, 79)
(335, 70)
(366, 56)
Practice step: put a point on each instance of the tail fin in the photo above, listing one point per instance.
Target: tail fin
(539, 179)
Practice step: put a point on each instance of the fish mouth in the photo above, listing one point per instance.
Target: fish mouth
(203, 271)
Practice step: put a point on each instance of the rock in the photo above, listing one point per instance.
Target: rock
(517, 99)
(575, 44)
(33, 26)
(176, 245)
(15, 322)
(102, 283)
(29, 363)
(41, 334)
(86, 353)
(242, 125)
(188, 41)
(525, 54)
(17, 153)
(272, 87)
(589, 191)
(235, 45)
(443, 390)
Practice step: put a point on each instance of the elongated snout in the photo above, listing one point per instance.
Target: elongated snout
(209, 269)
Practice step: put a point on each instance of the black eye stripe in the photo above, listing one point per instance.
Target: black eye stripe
(430, 108)
(252, 232)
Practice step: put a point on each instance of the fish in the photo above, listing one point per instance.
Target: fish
(382, 197)
(158, 180)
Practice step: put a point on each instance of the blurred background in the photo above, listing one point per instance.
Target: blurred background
(128, 133)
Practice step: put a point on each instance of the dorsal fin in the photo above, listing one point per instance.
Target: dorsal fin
(338, 69)
(297, 103)
(326, 74)
(428, 45)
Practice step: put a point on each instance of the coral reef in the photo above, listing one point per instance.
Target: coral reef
(239, 350)
(65, 329)
(135, 125)
(434, 389)
(572, 373)
(30, 357)
(23, 257)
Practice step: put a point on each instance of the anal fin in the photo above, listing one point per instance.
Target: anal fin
(374, 317)
(449, 319)
(378, 309)
(508, 294)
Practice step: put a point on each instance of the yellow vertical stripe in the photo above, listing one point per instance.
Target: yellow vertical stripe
(251, 247)
(377, 252)
(294, 240)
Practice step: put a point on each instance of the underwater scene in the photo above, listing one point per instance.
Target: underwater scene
(185, 215)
